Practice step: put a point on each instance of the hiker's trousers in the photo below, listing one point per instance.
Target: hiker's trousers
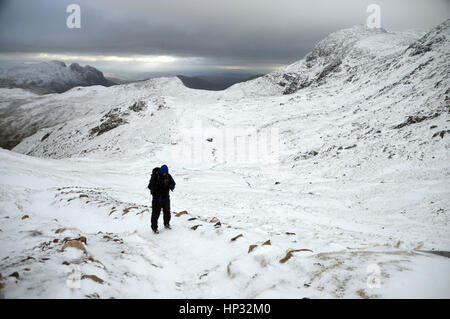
(156, 211)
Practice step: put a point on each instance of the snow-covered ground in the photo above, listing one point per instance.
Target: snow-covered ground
(359, 185)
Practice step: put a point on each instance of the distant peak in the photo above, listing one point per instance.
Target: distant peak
(59, 63)
(338, 43)
(76, 67)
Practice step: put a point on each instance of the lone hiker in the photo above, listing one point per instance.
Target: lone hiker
(160, 184)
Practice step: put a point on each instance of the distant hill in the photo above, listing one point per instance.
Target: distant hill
(49, 77)
(116, 80)
(215, 82)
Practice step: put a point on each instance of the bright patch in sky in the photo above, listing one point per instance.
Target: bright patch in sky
(135, 58)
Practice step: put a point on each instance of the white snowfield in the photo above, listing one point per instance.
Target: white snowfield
(356, 204)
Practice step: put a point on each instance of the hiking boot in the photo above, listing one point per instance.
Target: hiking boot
(167, 227)
(156, 231)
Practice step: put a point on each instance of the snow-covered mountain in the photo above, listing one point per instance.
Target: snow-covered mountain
(49, 77)
(361, 181)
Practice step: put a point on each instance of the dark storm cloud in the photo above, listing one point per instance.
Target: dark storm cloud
(237, 31)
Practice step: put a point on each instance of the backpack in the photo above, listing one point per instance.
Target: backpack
(155, 171)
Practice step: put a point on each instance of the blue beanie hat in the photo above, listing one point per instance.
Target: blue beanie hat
(164, 169)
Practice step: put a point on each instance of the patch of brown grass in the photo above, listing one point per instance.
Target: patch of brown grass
(251, 247)
(94, 278)
(82, 239)
(126, 210)
(214, 220)
(143, 211)
(75, 244)
(181, 213)
(229, 273)
(236, 237)
(362, 294)
(96, 261)
(291, 252)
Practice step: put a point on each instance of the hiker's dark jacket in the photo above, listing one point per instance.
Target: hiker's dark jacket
(160, 186)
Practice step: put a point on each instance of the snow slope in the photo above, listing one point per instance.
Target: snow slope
(21, 117)
(361, 182)
(88, 197)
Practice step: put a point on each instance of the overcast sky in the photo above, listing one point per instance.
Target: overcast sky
(135, 38)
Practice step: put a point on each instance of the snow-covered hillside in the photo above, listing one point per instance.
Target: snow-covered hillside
(360, 189)
(49, 77)
(21, 117)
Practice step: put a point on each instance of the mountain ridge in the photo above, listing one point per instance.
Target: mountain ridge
(354, 59)
(50, 77)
